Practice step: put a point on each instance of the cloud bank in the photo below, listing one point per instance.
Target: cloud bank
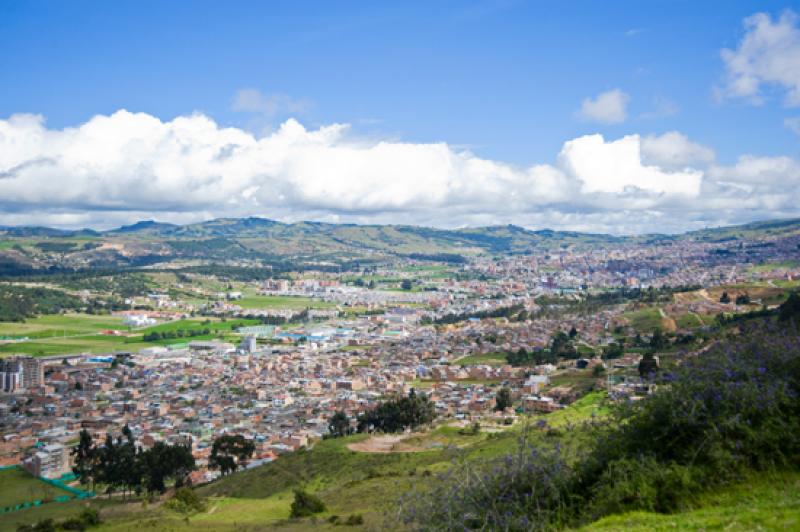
(128, 166)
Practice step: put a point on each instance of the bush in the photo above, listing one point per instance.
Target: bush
(528, 490)
(473, 430)
(186, 501)
(354, 520)
(90, 516)
(733, 410)
(305, 504)
(45, 525)
(734, 407)
(642, 484)
(72, 523)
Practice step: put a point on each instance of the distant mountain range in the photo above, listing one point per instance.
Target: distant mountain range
(263, 240)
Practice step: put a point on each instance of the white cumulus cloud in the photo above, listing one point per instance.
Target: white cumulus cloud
(608, 107)
(127, 166)
(767, 56)
(674, 150)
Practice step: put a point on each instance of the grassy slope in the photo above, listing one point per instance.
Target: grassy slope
(18, 486)
(771, 502)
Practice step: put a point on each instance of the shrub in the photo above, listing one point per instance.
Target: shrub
(45, 525)
(354, 520)
(90, 516)
(186, 501)
(717, 416)
(72, 523)
(305, 504)
(473, 430)
(528, 490)
(641, 483)
(734, 409)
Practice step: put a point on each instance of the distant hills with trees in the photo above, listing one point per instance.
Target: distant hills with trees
(30, 250)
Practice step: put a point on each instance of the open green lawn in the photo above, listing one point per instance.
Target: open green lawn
(18, 486)
(94, 344)
(79, 334)
(490, 359)
(692, 320)
(644, 320)
(60, 325)
(281, 302)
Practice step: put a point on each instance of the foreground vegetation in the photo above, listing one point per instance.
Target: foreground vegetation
(717, 419)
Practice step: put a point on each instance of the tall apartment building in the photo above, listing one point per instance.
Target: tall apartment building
(50, 461)
(20, 373)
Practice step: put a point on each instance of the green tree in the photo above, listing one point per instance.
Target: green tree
(339, 425)
(306, 504)
(398, 413)
(648, 366)
(503, 399)
(229, 451)
(658, 340)
(164, 462)
(84, 458)
(561, 346)
(406, 284)
(725, 298)
(790, 309)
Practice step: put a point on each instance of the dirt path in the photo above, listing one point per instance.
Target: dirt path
(667, 323)
(385, 443)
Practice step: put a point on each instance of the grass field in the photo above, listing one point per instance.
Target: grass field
(18, 486)
(281, 302)
(94, 344)
(489, 359)
(692, 320)
(645, 320)
(78, 333)
(54, 325)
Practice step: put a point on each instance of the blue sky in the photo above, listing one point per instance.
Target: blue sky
(504, 80)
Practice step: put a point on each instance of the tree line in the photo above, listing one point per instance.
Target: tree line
(176, 333)
(119, 464)
(510, 312)
(17, 303)
(393, 415)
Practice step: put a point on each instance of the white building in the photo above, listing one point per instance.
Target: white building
(138, 320)
(50, 461)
